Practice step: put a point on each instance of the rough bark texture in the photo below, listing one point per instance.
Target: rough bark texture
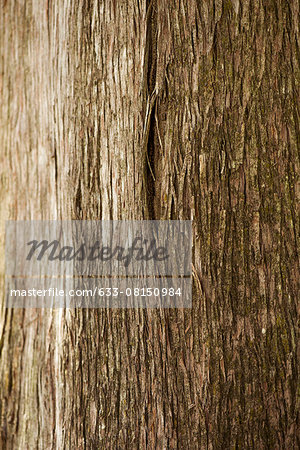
(163, 109)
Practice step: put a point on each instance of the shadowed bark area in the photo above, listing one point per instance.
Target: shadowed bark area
(177, 109)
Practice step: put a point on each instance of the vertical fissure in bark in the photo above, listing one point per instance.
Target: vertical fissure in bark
(150, 169)
(149, 119)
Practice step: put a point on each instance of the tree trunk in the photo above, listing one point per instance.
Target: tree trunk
(160, 109)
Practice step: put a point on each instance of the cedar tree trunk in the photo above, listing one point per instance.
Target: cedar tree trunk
(160, 109)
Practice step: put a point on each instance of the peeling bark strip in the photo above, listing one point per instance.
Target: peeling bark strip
(161, 109)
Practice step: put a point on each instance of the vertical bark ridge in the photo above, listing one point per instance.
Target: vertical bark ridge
(228, 118)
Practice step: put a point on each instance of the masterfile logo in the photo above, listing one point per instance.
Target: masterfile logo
(49, 254)
(140, 250)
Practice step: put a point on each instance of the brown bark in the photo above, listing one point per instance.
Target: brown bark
(171, 109)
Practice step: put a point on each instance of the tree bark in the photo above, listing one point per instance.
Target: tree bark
(160, 109)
